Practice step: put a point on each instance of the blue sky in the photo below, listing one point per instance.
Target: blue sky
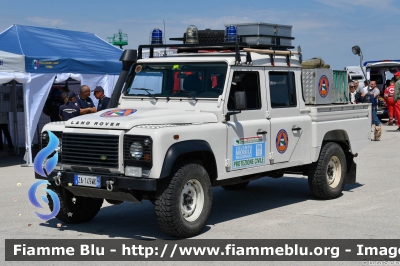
(323, 28)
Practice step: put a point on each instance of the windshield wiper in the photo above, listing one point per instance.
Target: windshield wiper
(185, 92)
(146, 90)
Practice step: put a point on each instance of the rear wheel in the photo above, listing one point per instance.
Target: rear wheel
(183, 201)
(326, 176)
(74, 209)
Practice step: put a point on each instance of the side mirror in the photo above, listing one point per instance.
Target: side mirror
(240, 104)
(240, 100)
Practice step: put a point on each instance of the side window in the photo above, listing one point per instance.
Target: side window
(282, 89)
(250, 83)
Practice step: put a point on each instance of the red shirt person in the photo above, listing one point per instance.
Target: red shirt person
(388, 95)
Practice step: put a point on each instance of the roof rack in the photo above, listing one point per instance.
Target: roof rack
(195, 48)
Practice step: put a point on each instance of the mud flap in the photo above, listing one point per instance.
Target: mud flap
(351, 172)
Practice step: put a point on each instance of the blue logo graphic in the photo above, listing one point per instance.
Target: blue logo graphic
(35, 64)
(43, 166)
(41, 158)
(34, 201)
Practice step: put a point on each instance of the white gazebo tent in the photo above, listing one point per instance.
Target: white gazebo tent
(38, 57)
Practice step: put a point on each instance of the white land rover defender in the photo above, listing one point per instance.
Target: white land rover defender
(219, 114)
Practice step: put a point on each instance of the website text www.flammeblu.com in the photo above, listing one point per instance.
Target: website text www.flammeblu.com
(202, 250)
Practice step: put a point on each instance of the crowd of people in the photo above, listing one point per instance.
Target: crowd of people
(369, 93)
(62, 106)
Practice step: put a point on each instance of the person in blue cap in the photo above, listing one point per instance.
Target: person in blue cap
(70, 108)
(103, 100)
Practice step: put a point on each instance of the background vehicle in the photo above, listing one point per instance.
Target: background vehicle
(355, 73)
(211, 115)
(381, 71)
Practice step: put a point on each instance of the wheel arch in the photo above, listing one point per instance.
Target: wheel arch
(197, 150)
(340, 137)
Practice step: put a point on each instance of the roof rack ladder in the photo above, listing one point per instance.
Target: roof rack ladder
(272, 58)
(249, 61)
(288, 56)
(238, 61)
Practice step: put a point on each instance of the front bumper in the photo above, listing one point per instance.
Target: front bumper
(142, 184)
(124, 188)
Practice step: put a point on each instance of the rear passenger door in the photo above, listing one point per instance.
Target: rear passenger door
(287, 125)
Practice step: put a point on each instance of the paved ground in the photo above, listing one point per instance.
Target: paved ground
(268, 209)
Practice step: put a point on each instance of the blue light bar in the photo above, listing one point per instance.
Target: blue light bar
(231, 33)
(156, 37)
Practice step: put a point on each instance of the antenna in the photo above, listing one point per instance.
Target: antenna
(165, 49)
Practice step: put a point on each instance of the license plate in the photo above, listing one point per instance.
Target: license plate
(87, 181)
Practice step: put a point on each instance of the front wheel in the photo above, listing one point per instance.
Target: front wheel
(183, 201)
(74, 209)
(326, 176)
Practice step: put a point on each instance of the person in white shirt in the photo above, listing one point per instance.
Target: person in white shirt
(352, 93)
(364, 90)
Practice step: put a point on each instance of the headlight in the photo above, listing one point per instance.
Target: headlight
(136, 150)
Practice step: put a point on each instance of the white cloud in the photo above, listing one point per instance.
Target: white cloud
(46, 21)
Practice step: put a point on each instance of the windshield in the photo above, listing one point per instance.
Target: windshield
(199, 80)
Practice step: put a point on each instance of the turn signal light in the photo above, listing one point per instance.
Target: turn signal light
(147, 157)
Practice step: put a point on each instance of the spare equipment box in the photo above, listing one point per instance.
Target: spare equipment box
(317, 86)
(264, 33)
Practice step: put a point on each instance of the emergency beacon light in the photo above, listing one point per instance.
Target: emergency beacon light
(192, 34)
(231, 33)
(156, 36)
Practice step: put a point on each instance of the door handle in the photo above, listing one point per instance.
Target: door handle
(296, 128)
(262, 132)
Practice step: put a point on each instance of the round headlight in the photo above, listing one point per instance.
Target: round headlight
(136, 150)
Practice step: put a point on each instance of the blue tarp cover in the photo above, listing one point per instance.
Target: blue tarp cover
(48, 50)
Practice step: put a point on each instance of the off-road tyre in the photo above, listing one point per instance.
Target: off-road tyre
(82, 211)
(174, 204)
(326, 177)
(236, 186)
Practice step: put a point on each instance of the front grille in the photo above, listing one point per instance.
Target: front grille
(90, 150)
(147, 158)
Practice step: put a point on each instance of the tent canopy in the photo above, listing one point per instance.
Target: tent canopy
(46, 50)
(38, 56)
